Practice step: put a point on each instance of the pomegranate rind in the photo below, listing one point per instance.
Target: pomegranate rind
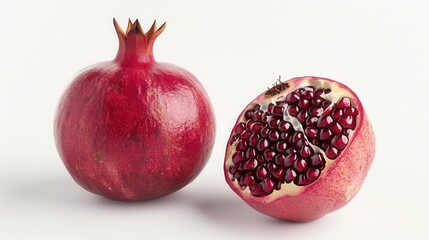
(338, 183)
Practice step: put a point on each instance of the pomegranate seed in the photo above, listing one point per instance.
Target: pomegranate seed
(250, 153)
(250, 164)
(290, 175)
(264, 131)
(279, 159)
(351, 111)
(257, 107)
(273, 122)
(245, 135)
(327, 90)
(315, 110)
(306, 151)
(302, 115)
(239, 128)
(344, 102)
(308, 94)
(271, 166)
(301, 142)
(256, 127)
(326, 104)
(290, 159)
(311, 132)
(260, 159)
(285, 136)
(312, 174)
(279, 173)
(317, 100)
(273, 136)
(262, 144)
(268, 186)
(248, 180)
(325, 121)
(325, 134)
(249, 113)
(233, 169)
(281, 146)
(277, 111)
(318, 92)
(284, 126)
(264, 117)
(253, 140)
(296, 137)
(241, 145)
(337, 113)
(317, 160)
(329, 110)
(347, 122)
(336, 128)
(300, 165)
(232, 139)
(292, 98)
(281, 101)
(269, 155)
(237, 175)
(261, 172)
(279, 185)
(293, 110)
(304, 104)
(270, 108)
(311, 121)
(256, 190)
(332, 152)
(257, 116)
(301, 180)
(291, 151)
(340, 141)
(237, 157)
(249, 124)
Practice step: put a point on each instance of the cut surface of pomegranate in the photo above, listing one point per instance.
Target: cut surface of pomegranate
(301, 149)
(133, 128)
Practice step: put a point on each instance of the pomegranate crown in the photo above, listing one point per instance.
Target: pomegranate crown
(135, 45)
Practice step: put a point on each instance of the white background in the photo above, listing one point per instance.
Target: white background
(237, 49)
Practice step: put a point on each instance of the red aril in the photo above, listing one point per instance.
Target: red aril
(319, 155)
(133, 128)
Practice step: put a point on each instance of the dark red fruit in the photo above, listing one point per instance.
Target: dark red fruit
(134, 129)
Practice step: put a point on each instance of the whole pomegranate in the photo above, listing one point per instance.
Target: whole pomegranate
(132, 128)
(300, 150)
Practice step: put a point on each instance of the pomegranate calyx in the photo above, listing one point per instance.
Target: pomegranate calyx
(277, 88)
(135, 45)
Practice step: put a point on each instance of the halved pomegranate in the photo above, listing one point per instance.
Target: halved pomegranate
(301, 149)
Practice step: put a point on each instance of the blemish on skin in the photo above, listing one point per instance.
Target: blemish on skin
(134, 137)
(177, 148)
(86, 99)
(348, 193)
(99, 156)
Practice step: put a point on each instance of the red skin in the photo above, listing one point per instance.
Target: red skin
(133, 129)
(337, 185)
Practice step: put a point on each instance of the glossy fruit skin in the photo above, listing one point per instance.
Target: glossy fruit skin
(134, 130)
(336, 186)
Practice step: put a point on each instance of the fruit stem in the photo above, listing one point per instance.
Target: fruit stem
(136, 46)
